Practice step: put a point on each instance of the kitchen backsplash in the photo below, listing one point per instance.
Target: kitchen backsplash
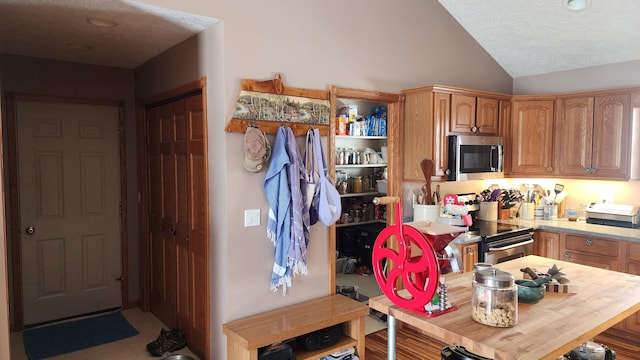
(578, 191)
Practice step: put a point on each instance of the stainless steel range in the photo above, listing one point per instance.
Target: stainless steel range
(502, 242)
(499, 241)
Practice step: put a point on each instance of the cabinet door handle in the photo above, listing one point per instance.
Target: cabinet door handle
(549, 169)
(469, 250)
(474, 129)
(567, 255)
(589, 242)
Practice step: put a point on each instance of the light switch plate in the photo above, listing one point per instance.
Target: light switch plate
(252, 217)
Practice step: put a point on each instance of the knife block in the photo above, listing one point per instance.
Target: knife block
(503, 213)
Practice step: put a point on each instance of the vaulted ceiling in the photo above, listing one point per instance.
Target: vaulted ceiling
(531, 37)
(526, 37)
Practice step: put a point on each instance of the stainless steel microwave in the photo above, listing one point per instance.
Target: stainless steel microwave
(473, 157)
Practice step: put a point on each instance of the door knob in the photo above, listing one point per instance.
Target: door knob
(30, 230)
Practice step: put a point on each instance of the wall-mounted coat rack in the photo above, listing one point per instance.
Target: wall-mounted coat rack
(269, 104)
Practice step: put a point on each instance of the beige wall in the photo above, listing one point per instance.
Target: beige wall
(414, 44)
(382, 45)
(375, 45)
(620, 75)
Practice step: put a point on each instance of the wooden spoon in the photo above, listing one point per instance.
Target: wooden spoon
(427, 170)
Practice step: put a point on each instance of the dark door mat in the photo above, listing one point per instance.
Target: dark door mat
(57, 339)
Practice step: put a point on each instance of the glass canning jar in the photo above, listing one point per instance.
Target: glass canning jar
(494, 298)
(357, 184)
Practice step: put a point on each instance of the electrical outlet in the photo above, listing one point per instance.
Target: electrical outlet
(252, 217)
(606, 198)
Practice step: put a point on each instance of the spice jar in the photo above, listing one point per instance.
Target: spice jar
(494, 298)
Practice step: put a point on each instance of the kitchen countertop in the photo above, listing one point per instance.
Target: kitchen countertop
(562, 224)
(579, 227)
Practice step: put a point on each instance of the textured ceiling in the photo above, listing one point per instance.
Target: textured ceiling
(46, 28)
(530, 37)
(526, 37)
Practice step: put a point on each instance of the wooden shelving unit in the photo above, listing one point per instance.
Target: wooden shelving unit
(245, 336)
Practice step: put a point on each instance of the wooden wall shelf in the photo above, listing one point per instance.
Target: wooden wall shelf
(275, 86)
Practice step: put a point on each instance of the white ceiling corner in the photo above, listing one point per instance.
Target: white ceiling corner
(530, 37)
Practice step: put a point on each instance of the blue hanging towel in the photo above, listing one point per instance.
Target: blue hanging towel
(278, 193)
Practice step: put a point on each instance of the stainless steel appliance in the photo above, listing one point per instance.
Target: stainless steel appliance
(473, 157)
(614, 214)
(503, 242)
(499, 241)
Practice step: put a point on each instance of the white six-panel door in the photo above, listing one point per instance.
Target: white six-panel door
(69, 183)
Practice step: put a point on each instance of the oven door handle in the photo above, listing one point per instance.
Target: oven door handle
(530, 241)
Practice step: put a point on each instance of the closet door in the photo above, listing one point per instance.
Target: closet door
(178, 218)
(198, 227)
(181, 224)
(161, 213)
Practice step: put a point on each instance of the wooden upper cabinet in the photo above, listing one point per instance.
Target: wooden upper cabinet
(474, 115)
(488, 116)
(574, 135)
(440, 142)
(463, 114)
(426, 115)
(611, 136)
(504, 130)
(593, 136)
(434, 112)
(634, 167)
(532, 137)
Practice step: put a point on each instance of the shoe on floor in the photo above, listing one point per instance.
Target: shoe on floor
(167, 341)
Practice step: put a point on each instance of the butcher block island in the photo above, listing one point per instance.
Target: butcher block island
(597, 299)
